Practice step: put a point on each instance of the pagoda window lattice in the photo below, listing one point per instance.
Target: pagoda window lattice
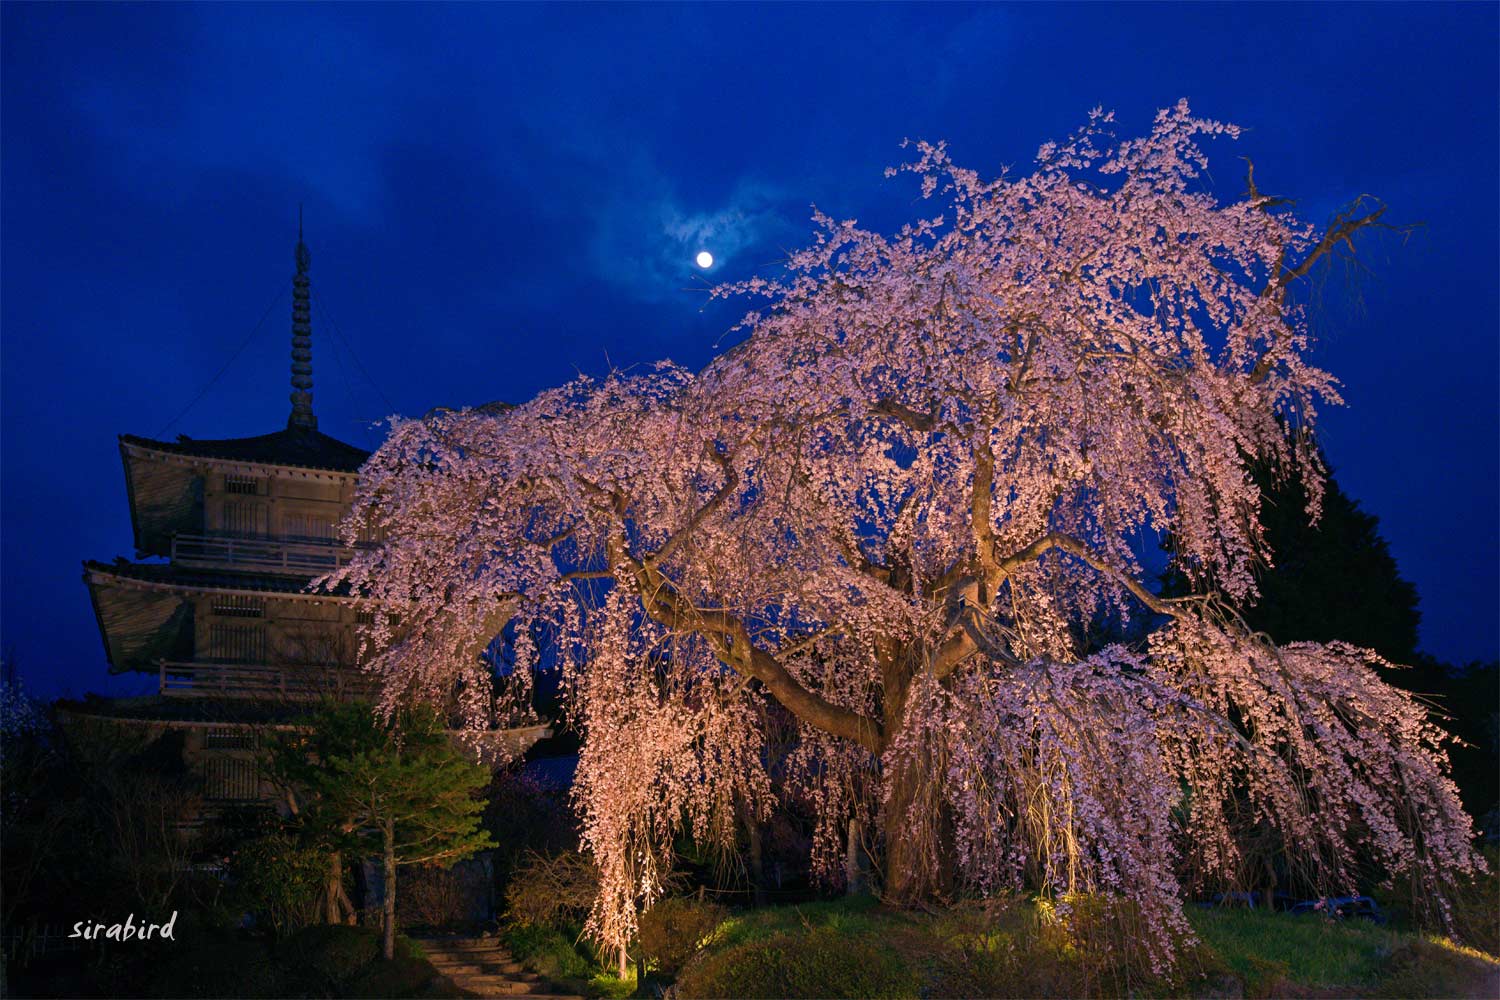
(307, 526)
(237, 643)
(239, 606)
(248, 485)
(244, 518)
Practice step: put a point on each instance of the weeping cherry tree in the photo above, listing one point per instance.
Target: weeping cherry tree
(893, 508)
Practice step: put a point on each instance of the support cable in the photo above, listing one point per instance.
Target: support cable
(280, 292)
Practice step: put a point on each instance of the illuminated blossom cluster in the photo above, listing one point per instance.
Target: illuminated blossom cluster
(894, 509)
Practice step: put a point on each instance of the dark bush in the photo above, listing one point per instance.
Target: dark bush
(437, 897)
(432, 897)
(403, 976)
(552, 891)
(279, 882)
(330, 956)
(673, 930)
(218, 966)
(819, 963)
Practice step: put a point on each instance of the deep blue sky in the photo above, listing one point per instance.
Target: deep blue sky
(498, 196)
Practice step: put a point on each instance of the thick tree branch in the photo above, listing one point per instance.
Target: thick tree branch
(731, 643)
(682, 534)
(970, 639)
(911, 419)
(1077, 549)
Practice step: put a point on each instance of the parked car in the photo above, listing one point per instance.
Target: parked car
(1342, 908)
(1334, 907)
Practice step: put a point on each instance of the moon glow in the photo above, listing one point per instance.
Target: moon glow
(705, 259)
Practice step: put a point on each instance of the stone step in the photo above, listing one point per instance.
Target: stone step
(499, 986)
(483, 967)
(483, 991)
(473, 956)
(517, 972)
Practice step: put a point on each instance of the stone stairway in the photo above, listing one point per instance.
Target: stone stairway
(481, 967)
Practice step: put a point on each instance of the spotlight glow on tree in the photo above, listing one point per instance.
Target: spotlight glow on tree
(892, 510)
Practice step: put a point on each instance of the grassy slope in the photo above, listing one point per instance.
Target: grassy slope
(565, 960)
(1261, 954)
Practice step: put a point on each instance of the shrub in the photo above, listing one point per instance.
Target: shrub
(282, 884)
(1420, 968)
(998, 950)
(818, 963)
(331, 956)
(552, 891)
(437, 897)
(401, 977)
(219, 966)
(558, 955)
(673, 930)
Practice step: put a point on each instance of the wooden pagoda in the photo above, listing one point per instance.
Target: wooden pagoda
(229, 535)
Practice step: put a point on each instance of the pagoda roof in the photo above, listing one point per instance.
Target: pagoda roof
(298, 447)
(223, 711)
(495, 745)
(168, 577)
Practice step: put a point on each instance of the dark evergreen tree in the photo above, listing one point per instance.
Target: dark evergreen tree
(1332, 580)
(1338, 580)
(404, 791)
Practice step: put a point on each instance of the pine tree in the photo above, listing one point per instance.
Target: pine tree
(403, 791)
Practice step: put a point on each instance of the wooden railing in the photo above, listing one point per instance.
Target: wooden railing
(266, 555)
(263, 681)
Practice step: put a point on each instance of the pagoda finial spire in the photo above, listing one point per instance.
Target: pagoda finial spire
(302, 411)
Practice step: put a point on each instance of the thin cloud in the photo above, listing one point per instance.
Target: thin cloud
(646, 247)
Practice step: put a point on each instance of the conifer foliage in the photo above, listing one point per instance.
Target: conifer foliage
(404, 792)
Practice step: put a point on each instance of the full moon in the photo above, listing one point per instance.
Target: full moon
(705, 259)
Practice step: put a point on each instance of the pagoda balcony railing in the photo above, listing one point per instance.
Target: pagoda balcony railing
(267, 682)
(264, 555)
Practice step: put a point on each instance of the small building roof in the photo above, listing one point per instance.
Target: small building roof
(225, 711)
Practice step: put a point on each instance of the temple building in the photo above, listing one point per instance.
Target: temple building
(218, 607)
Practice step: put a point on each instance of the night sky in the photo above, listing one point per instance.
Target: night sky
(497, 197)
